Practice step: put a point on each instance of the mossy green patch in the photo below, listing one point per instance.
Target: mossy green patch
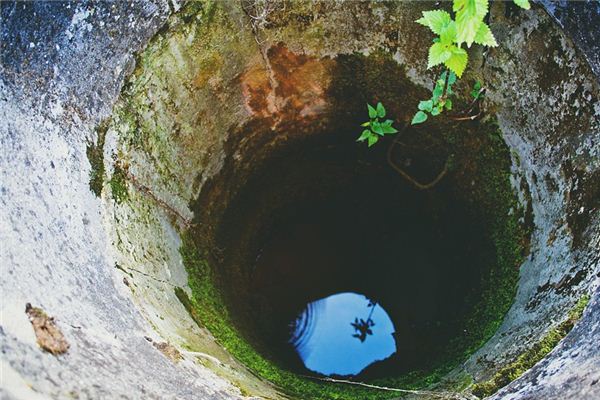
(95, 154)
(532, 356)
(118, 184)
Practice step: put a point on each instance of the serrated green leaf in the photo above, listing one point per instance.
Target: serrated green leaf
(371, 140)
(380, 110)
(485, 37)
(436, 20)
(458, 61)
(366, 123)
(469, 16)
(372, 111)
(419, 118)
(523, 4)
(448, 35)
(365, 134)
(438, 53)
(425, 105)
(466, 31)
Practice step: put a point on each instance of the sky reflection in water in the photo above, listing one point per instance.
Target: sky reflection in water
(328, 343)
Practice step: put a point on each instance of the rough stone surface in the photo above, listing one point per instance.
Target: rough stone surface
(63, 66)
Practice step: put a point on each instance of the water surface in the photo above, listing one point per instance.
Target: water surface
(342, 334)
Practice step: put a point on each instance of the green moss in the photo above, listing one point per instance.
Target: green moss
(95, 154)
(531, 357)
(118, 184)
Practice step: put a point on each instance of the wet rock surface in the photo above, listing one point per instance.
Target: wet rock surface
(63, 67)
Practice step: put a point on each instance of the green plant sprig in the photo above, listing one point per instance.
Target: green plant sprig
(440, 99)
(375, 127)
(467, 27)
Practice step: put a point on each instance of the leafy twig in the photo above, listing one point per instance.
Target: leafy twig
(374, 127)
(405, 175)
(468, 26)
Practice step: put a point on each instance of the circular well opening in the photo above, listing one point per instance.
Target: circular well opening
(333, 264)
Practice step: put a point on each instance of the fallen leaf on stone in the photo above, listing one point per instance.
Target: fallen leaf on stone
(169, 351)
(49, 337)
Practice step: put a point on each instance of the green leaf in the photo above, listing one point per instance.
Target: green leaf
(376, 127)
(436, 20)
(523, 4)
(372, 111)
(372, 140)
(458, 61)
(448, 35)
(469, 16)
(365, 123)
(476, 92)
(448, 104)
(466, 31)
(426, 105)
(438, 53)
(485, 37)
(388, 128)
(380, 110)
(435, 111)
(419, 117)
(438, 91)
(451, 78)
(365, 134)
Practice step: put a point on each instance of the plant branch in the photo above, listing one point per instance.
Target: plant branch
(405, 175)
(431, 393)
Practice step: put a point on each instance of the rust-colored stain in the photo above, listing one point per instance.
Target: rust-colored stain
(49, 337)
(291, 87)
(258, 92)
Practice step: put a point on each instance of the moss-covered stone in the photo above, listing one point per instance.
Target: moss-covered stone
(118, 183)
(531, 357)
(95, 154)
